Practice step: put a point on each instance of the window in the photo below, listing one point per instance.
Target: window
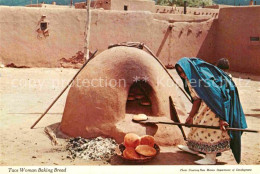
(43, 26)
(125, 7)
(254, 39)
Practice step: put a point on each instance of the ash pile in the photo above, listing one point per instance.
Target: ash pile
(96, 149)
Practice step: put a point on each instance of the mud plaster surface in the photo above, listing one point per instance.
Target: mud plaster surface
(20, 106)
(95, 110)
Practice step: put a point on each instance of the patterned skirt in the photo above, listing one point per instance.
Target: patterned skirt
(207, 140)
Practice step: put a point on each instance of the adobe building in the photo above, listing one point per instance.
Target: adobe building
(120, 5)
(43, 37)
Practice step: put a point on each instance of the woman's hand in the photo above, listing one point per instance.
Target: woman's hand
(189, 120)
(223, 125)
(194, 110)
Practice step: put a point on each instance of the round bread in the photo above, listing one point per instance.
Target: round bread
(130, 153)
(147, 140)
(131, 140)
(139, 96)
(131, 94)
(145, 150)
(131, 98)
(140, 117)
(145, 103)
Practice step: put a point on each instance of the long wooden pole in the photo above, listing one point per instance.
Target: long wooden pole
(156, 58)
(87, 31)
(62, 91)
(196, 125)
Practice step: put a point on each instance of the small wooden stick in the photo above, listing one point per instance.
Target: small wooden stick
(52, 136)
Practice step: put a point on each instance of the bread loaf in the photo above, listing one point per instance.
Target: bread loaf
(131, 140)
(145, 150)
(147, 140)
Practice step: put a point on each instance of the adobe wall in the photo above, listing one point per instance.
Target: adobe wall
(105, 4)
(48, 6)
(134, 5)
(21, 46)
(144, 27)
(190, 10)
(80, 5)
(34, 5)
(218, 6)
(198, 11)
(164, 9)
(234, 29)
(180, 18)
(170, 36)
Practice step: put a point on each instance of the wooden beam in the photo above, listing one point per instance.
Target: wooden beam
(87, 31)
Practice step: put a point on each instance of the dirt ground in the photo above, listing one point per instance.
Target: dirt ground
(27, 92)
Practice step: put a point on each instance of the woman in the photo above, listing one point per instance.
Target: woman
(215, 103)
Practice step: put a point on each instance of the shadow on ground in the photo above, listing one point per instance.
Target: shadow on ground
(56, 130)
(164, 158)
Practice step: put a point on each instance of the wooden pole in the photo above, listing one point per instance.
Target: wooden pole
(87, 31)
(195, 125)
(185, 7)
